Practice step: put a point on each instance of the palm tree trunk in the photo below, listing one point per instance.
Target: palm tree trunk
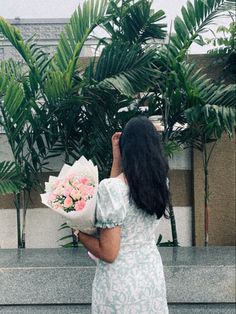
(173, 226)
(171, 209)
(18, 219)
(206, 219)
(206, 195)
(23, 221)
(173, 222)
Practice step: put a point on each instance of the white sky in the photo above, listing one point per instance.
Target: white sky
(10, 9)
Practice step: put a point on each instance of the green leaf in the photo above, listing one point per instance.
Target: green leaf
(64, 226)
(125, 67)
(35, 58)
(181, 29)
(196, 18)
(65, 237)
(187, 19)
(191, 13)
(11, 179)
(72, 40)
(134, 22)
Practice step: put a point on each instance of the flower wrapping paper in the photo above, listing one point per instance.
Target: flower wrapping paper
(83, 219)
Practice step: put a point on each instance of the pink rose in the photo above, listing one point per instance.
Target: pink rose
(52, 197)
(68, 202)
(57, 191)
(80, 205)
(90, 190)
(84, 180)
(84, 193)
(75, 194)
(76, 184)
(67, 191)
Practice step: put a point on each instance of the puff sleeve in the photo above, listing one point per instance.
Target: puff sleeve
(110, 209)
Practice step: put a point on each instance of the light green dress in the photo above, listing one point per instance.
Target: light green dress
(134, 283)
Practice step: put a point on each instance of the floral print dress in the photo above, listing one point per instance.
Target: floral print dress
(134, 283)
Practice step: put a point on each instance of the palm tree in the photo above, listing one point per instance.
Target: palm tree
(25, 97)
(211, 102)
(86, 101)
(53, 101)
(82, 106)
(182, 91)
(214, 115)
(21, 117)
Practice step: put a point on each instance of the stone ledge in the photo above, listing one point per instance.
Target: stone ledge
(86, 309)
(46, 309)
(64, 277)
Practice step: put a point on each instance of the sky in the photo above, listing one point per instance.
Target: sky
(32, 9)
(64, 8)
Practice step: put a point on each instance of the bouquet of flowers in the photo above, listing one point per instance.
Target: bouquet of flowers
(73, 194)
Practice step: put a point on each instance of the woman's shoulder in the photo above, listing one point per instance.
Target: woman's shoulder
(111, 203)
(110, 182)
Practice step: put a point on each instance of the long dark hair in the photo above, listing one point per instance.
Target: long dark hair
(145, 166)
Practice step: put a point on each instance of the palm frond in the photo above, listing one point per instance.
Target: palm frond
(210, 121)
(24, 121)
(41, 60)
(14, 36)
(212, 115)
(223, 95)
(11, 180)
(126, 68)
(33, 55)
(12, 68)
(196, 17)
(82, 23)
(54, 87)
(12, 107)
(135, 22)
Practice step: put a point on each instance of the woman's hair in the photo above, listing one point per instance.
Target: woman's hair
(145, 166)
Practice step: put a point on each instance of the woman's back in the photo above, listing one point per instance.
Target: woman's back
(134, 282)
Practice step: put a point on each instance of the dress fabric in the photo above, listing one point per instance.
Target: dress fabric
(134, 283)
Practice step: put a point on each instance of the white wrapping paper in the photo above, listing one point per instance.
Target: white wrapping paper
(84, 219)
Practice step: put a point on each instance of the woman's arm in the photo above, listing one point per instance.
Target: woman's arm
(116, 168)
(106, 247)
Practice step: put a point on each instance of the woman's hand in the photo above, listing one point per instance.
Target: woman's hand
(116, 164)
(115, 146)
(76, 233)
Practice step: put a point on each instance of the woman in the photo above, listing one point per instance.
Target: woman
(129, 277)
